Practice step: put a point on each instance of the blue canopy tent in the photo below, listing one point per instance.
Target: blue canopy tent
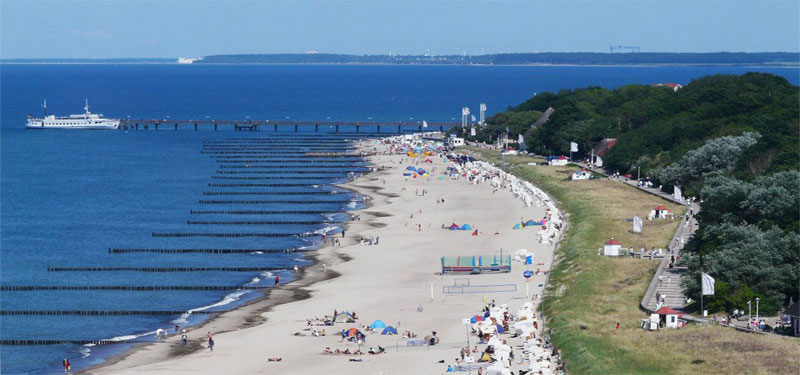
(377, 324)
(530, 223)
(389, 330)
(466, 227)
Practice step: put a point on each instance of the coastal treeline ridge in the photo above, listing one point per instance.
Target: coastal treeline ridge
(732, 141)
(555, 58)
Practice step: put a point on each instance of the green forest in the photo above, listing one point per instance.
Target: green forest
(732, 141)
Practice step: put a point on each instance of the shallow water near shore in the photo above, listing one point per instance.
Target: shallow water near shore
(67, 197)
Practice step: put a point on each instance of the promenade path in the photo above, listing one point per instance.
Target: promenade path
(666, 281)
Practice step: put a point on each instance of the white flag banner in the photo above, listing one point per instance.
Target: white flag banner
(472, 131)
(424, 124)
(708, 285)
(677, 194)
(473, 118)
(464, 111)
(573, 147)
(637, 224)
(521, 140)
(483, 107)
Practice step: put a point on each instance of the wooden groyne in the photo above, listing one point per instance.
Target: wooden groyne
(105, 312)
(285, 166)
(258, 212)
(232, 235)
(134, 288)
(205, 201)
(288, 184)
(164, 269)
(322, 192)
(361, 170)
(267, 178)
(309, 222)
(205, 251)
(76, 342)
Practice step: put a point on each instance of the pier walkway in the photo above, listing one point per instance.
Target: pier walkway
(382, 127)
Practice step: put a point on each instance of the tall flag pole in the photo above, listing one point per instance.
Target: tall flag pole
(483, 114)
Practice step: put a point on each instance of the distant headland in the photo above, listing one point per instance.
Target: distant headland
(544, 58)
(789, 59)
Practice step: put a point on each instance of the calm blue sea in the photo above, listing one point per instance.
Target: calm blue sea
(67, 197)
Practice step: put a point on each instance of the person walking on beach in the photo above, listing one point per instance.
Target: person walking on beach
(210, 343)
(184, 338)
(277, 279)
(67, 366)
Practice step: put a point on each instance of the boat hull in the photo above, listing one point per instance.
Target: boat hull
(104, 126)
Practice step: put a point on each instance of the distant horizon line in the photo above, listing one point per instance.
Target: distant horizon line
(311, 53)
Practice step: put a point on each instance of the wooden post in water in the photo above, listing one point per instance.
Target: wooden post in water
(295, 128)
(195, 126)
(337, 128)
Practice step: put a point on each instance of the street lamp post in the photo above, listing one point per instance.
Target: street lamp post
(749, 312)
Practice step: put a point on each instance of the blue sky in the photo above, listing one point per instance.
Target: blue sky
(190, 28)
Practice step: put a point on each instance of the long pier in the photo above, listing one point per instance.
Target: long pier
(275, 126)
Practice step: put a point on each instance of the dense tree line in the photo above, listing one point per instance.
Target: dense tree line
(734, 141)
(656, 126)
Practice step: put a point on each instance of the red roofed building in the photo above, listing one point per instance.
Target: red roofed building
(612, 248)
(668, 316)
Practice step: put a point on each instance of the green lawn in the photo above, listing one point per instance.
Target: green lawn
(588, 294)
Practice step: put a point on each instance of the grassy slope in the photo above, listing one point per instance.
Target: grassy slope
(597, 292)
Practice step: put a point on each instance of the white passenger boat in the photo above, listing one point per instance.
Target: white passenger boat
(87, 120)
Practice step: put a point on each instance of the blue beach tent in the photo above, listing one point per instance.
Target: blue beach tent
(389, 330)
(499, 328)
(466, 227)
(377, 324)
(530, 223)
(517, 226)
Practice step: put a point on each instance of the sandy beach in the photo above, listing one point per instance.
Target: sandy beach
(398, 281)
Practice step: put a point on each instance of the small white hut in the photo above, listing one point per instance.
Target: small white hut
(612, 247)
(668, 317)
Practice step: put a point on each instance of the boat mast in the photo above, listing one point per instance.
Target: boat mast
(86, 108)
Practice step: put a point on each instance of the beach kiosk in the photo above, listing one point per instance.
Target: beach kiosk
(668, 317)
(659, 212)
(612, 248)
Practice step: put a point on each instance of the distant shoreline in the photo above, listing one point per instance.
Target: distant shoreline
(652, 65)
